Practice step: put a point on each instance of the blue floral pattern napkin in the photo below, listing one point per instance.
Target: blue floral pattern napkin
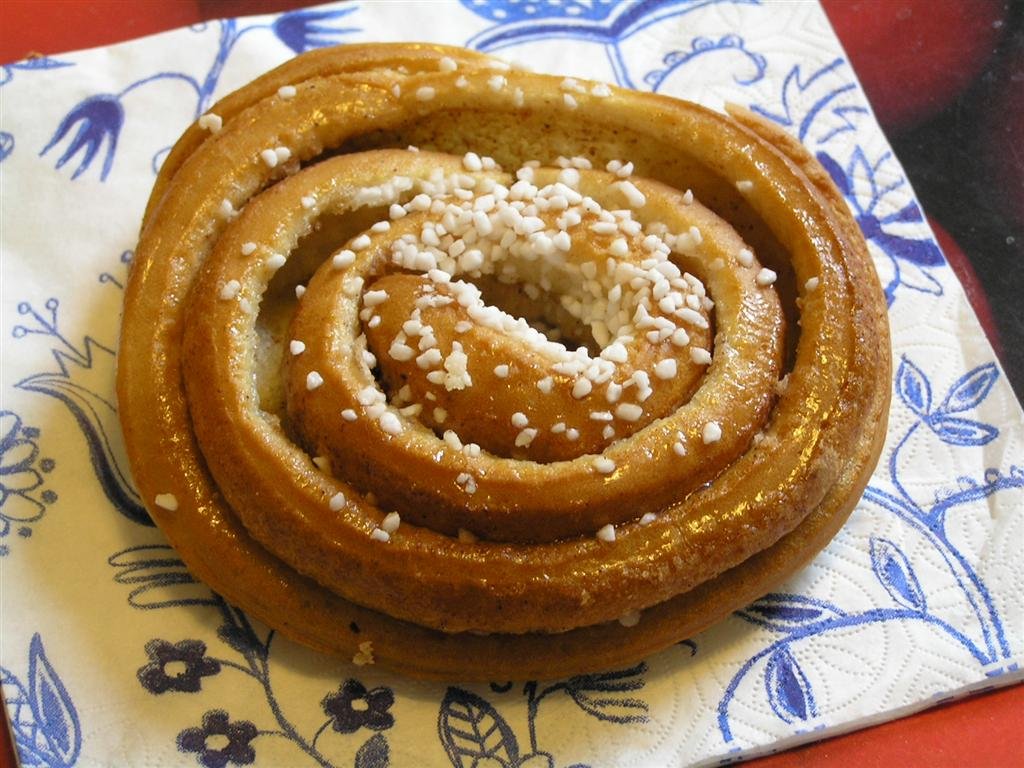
(113, 655)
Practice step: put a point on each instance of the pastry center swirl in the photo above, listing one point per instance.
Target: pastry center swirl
(490, 330)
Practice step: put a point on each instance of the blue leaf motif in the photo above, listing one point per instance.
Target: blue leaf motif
(374, 753)
(54, 712)
(471, 729)
(97, 419)
(963, 432)
(602, 694)
(910, 213)
(82, 383)
(541, 760)
(237, 631)
(922, 252)
(788, 689)
(6, 145)
(893, 569)
(158, 578)
(970, 389)
(41, 62)
(912, 277)
(787, 613)
(31, 746)
(913, 388)
(308, 29)
(836, 172)
(818, 105)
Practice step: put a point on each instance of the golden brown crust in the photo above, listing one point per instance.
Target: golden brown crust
(253, 512)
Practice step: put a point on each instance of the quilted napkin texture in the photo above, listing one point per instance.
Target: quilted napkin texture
(113, 655)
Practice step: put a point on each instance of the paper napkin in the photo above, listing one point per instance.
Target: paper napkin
(112, 655)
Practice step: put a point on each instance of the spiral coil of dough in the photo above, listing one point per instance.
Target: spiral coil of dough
(573, 376)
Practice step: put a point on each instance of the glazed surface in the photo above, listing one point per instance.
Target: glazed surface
(338, 486)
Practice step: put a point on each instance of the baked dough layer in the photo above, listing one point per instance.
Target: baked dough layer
(535, 593)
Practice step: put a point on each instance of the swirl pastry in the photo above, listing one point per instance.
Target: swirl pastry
(490, 374)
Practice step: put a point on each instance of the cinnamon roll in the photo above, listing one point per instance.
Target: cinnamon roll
(504, 374)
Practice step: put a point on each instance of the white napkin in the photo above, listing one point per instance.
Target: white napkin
(111, 655)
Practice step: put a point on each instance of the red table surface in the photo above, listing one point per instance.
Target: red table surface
(984, 730)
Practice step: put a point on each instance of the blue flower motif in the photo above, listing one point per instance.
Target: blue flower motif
(819, 105)
(188, 661)
(305, 30)
(352, 707)
(212, 752)
(98, 119)
(890, 232)
(17, 455)
(22, 499)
